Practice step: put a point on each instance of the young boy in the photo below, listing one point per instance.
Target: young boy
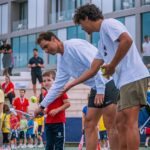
(1, 111)
(56, 118)
(40, 121)
(30, 135)
(14, 125)
(23, 130)
(103, 139)
(6, 126)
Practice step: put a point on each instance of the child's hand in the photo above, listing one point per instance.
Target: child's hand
(53, 112)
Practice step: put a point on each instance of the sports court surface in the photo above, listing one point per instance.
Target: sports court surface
(75, 148)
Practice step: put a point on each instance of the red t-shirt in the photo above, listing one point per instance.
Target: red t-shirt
(60, 117)
(14, 122)
(8, 87)
(21, 105)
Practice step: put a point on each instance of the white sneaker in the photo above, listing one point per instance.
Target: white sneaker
(24, 146)
(41, 145)
(12, 146)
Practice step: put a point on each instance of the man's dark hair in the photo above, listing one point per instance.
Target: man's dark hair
(35, 49)
(46, 36)
(89, 10)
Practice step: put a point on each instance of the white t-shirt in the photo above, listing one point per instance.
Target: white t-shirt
(131, 67)
(146, 49)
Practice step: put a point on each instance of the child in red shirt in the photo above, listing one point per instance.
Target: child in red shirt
(56, 118)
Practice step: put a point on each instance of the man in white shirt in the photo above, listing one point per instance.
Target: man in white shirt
(74, 58)
(123, 62)
(146, 51)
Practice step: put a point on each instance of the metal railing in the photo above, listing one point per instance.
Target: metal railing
(61, 16)
(20, 25)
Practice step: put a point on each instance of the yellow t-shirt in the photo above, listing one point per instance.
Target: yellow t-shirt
(5, 123)
(40, 120)
(1, 96)
(101, 125)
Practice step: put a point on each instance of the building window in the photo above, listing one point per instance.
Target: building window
(145, 2)
(123, 4)
(95, 38)
(145, 24)
(20, 15)
(4, 19)
(52, 59)
(75, 32)
(23, 49)
(35, 13)
(63, 10)
(121, 19)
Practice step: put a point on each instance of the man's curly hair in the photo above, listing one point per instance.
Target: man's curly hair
(88, 10)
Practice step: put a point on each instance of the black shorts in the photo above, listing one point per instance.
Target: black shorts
(111, 95)
(14, 135)
(22, 135)
(39, 130)
(5, 138)
(35, 76)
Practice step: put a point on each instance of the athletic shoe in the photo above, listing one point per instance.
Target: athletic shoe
(41, 145)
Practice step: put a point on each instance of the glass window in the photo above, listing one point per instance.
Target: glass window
(0, 20)
(16, 54)
(40, 51)
(121, 19)
(23, 51)
(75, 32)
(31, 45)
(81, 33)
(145, 2)
(63, 10)
(71, 32)
(32, 14)
(52, 60)
(95, 38)
(123, 4)
(145, 24)
(4, 18)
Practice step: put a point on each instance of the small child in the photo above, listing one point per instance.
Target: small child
(14, 125)
(103, 139)
(35, 133)
(42, 95)
(23, 130)
(30, 135)
(40, 120)
(6, 126)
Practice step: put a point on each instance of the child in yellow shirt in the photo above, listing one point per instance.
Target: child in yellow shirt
(6, 126)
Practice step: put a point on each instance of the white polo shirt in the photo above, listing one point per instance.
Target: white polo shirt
(146, 49)
(131, 67)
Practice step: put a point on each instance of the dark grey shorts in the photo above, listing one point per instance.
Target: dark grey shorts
(111, 95)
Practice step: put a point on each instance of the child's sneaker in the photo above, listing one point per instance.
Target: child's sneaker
(40, 145)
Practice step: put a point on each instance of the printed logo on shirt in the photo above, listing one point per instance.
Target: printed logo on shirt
(105, 51)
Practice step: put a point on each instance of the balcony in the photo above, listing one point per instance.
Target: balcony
(61, 16)
(20, 25)
(145, 2)
(124, 4)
